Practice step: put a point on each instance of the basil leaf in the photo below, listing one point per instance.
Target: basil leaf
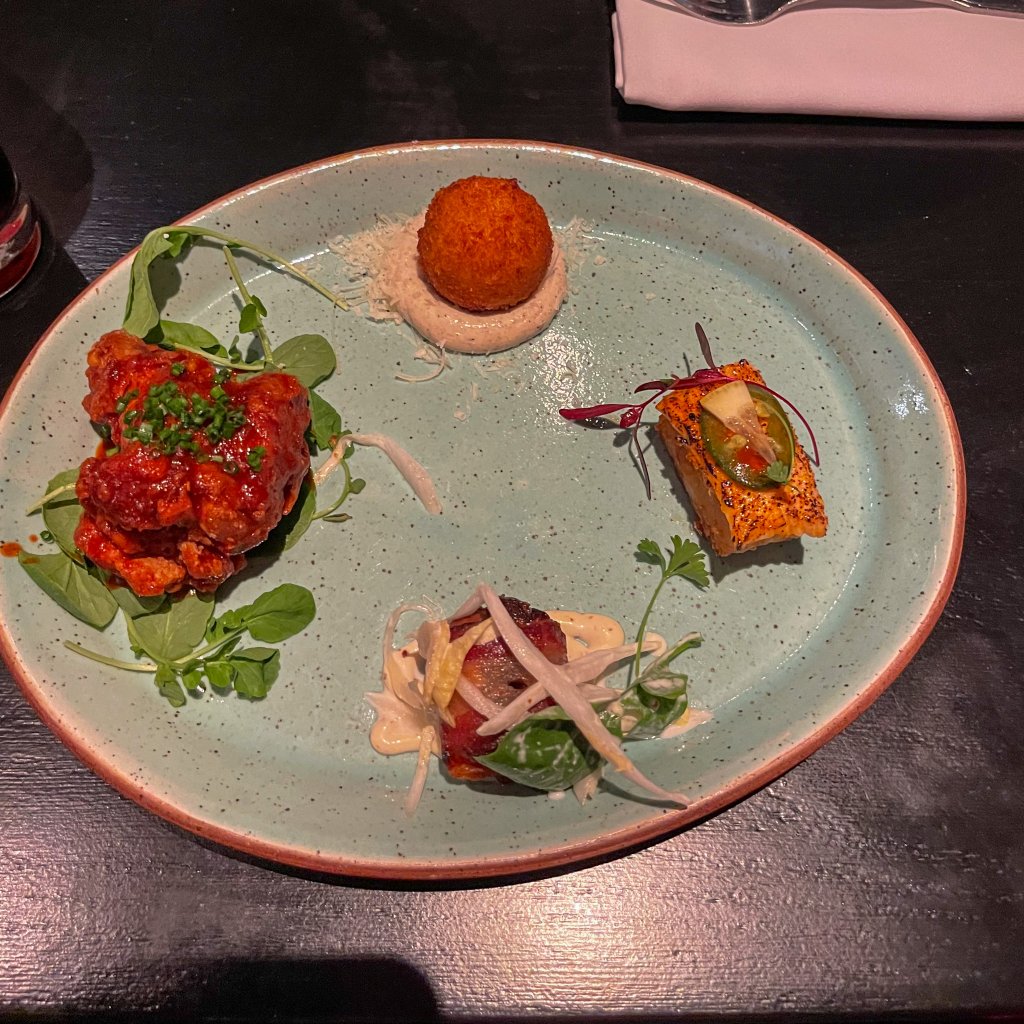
(278, 614)
(309, 358)
(189, 336)
(256, 670)
(176, 631)
(166, 680)
(71, 586)
(324, 421)
(544, 751)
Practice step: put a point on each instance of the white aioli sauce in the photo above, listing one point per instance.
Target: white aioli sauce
(403, 286)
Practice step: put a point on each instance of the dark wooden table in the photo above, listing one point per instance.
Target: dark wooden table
(883, 878)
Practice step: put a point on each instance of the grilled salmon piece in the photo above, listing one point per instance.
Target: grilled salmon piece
(734, 517)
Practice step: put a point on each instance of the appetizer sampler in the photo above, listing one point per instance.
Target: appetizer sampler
(747, 476)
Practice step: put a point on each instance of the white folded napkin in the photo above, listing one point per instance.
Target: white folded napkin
(914, 61)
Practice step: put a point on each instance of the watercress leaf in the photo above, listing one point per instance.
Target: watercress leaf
(650, 551)
(249, 319)
(260, 308)
(61, 518)
(193, 681)
(71, 586)
(142, 313)
(167, 683)
(778, 471)
(307, 357)
(63, 479)
(190, 336)
(220, 673)
(133, 606)
(543, 752)
(324, 421)
(279, 613)
(174, 631)
(256, 670)
(292, 526)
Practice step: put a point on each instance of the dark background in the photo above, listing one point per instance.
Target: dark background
(881, 879)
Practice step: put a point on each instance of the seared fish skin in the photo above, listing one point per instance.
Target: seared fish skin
(735, 518)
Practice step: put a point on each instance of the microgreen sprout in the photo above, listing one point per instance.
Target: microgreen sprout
(632, 412)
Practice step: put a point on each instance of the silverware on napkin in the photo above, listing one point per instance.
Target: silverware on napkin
(756, 12)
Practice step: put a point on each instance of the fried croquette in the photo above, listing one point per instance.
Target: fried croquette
(485, 244)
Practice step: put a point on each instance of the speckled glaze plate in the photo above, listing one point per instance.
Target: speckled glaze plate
(799, 638)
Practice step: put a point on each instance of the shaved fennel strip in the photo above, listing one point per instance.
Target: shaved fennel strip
(419, 780)
(582, 670)
(388, 643)
(568, 698)
(413, 472)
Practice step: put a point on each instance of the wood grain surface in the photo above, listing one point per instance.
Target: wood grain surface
(881, 879)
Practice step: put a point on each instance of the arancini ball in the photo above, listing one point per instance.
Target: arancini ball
(485, 244)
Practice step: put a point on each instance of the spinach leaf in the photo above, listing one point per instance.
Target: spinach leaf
(71, 586)
(544, 751)
(175, 632)
(307, 357)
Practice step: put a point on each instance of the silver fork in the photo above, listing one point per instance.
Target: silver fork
(756, 12)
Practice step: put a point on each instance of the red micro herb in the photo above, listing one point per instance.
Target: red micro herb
(632, 412)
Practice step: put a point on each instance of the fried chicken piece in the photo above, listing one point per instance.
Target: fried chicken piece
(485, 244)
(206, 464)
(496, 673)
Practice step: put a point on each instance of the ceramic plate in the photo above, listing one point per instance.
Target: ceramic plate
(799, 638)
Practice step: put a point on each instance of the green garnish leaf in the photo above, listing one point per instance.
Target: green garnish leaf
(278, 614)
(249, 320)
(686, 560)
(71, 586)
(173, 334)
(133, 606)
(167, 683)
(309, 358)
(174, 632)
(255, 671)
(544, 751)
(778, 471)
(324, 422)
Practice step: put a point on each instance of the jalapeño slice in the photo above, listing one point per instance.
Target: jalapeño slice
(737, 459)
